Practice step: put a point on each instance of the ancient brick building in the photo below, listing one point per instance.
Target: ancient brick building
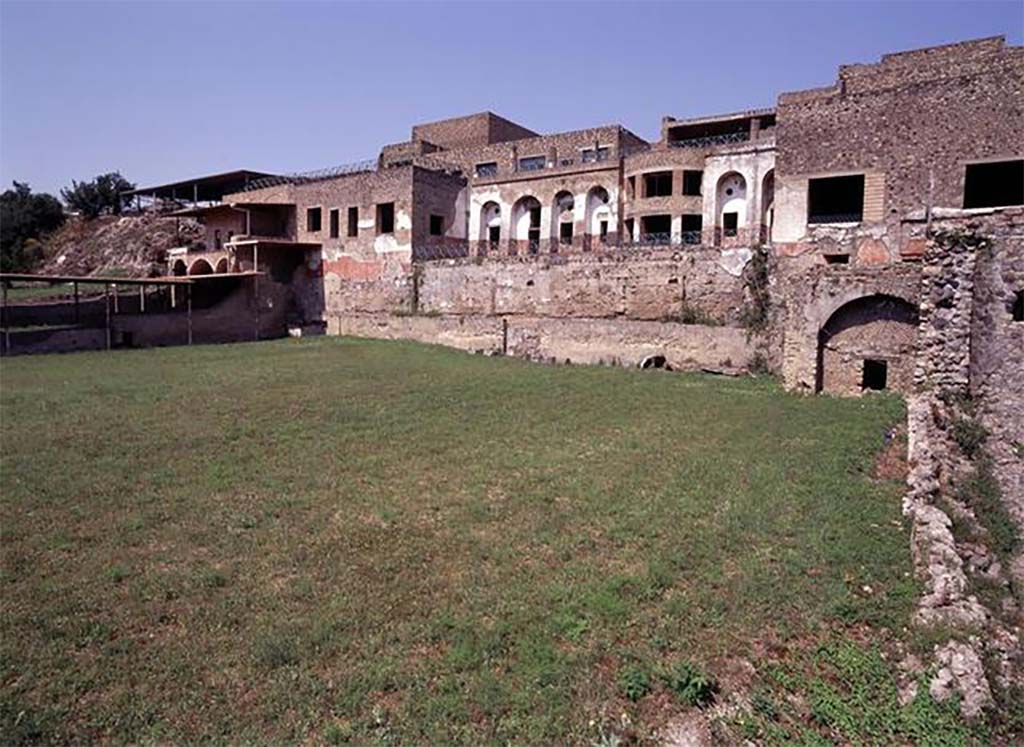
(481, 233)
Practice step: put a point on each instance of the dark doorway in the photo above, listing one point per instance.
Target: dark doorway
(875, 374)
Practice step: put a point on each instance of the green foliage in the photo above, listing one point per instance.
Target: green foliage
(634, 682)
(24, 218)
(981, 491)
(693, 315)
(755, 314)
(691, 684)
(969, 435)
(103, 195)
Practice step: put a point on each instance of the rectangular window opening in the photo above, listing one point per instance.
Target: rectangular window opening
(693, 225)
(335, 223)
(532, 163)
(999, 184)
(835, 199)
(494, 235)
(875, 374)
(386, 217)
(565, 233)
(656, 228)
(1017, 310)
(658, 184)
(313, 219)
(730, 224)
(487, 169)
(629, 225)
(603, 230)
(353, 221)
(436, 225)
(692, 182)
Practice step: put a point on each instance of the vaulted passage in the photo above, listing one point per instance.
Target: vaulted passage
(868, 344)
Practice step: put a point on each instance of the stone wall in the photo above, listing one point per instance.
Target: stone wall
(585, 341)
(696, 283)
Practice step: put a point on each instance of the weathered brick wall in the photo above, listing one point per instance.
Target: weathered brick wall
(911, 122)
(653, 284)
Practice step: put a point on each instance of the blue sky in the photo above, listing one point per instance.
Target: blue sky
(167, 90)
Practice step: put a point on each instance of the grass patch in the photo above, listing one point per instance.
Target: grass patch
(329, 540)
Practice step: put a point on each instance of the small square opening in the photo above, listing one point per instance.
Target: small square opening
(353, 221)
(313, 216)
(875, 374)
(692, 182)
(565, 233)
(436, 225)
(730, 223)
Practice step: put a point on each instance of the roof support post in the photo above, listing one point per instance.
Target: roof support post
(256, 292)
(142, 299)
(106, 306)
(78, 317)
(4, 312)
(188, 301)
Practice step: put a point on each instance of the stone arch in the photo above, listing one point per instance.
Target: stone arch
(867, 342)
(563, 218)
(490, 223)
(222, 266)
(179, 268)
(526, 223)
(598, 210)
(731, 198)
(200, 267)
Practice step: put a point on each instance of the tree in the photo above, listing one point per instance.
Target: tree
(104, 194)
(24, 217)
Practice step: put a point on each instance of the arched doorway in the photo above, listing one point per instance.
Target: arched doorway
(868, 344)
(767, 206)
(599, 214)
(563, 222)
(490, 227)
(526, 224)
(179, 268)
(731, 215)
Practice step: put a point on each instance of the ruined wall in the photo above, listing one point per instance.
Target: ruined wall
(656, 284)
(903, 122)
(585, 341)
(808, 299)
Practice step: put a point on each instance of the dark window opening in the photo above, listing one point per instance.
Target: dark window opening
(1017, 311)
(603, 230)
(533, 233)
(693, 225)
(875, 375)
(532, 163)
(487, 169)
(312, 219)
(692, 181)
(216, 238)
(334, 223)
(589, 155)
(494, 235)
(436, 225)
(658, 184)
(631, 187)
(994, 184)
(837, 259)
(353, 221)
(656, 228)
(386, 217)
(629, 225)
(730, 224)
(835, 199)
(565, 233)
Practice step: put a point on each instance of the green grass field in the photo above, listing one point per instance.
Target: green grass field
(348, 541)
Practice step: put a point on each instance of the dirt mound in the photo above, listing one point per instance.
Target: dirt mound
(128, 245)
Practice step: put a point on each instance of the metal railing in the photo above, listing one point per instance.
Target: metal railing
(835, 218)
(313, 176)
(710, 140)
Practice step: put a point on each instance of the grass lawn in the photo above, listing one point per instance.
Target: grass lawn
(333, 540)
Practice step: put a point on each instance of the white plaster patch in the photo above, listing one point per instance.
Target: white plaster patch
(387, 243)
(403, 221)
(367, 223)
(734, 260)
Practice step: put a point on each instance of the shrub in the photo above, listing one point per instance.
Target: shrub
(691, 684)
(635, 682)
(969, 435)
(104, 194)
